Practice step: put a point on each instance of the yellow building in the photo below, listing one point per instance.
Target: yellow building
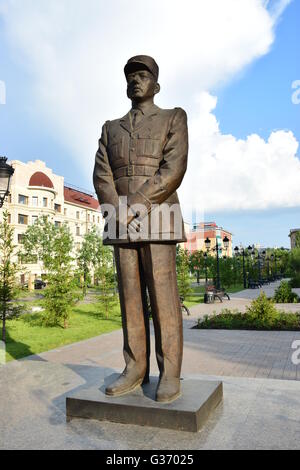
(36, 191)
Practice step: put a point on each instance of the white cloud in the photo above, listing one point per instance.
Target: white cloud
(76, 50)
(226, 173)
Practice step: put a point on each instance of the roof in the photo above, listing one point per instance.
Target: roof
(40, 179)
(81, 199)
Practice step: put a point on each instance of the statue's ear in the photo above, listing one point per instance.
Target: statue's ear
(157, 88)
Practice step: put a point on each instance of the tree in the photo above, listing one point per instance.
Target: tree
(297, 240)
(53, 246)
(87, 256)
(183, 272)
(8, 272)
(106, 278)
(197, 263)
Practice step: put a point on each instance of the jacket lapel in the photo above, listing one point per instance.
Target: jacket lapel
(126, 124)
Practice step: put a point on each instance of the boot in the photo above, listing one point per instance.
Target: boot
(168, 389)
(128, 381)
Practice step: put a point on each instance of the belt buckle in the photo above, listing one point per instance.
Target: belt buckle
(130, 170)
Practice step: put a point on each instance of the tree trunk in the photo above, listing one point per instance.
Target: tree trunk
(4, 329)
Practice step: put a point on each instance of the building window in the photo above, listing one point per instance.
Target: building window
(78, 231)
(77, 215)
(35, 201)
(65, 211)
(23, 219)
(23, 199)
(57, 207)
(88, 217)
(9, 218)
(45, 202)
(57, 224)
(9, 199)
(34, 219)
(20, 238)
(98, 220)
(94, 219)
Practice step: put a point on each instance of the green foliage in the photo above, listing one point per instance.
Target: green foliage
(295, 281)
(297, 240)
(262, 309)
(183, 272)
(284, 294)
(8, 272)
(39, 242)
(295, 267)
(234, 320)
(52, 246)
(88, 254)
(27, 336)
(104, 271)
(260, 315)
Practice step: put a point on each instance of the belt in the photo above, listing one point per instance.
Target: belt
(134, 170)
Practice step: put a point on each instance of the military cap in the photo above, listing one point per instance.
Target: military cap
(144, 60)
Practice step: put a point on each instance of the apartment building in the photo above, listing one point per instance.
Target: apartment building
(35, 192)
(197, 233)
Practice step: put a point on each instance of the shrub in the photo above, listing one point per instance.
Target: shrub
(260, 315)
(284, 294)
(295, 281)
(262, 307)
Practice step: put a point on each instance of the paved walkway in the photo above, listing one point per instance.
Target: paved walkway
(255, 413)
(261, 407)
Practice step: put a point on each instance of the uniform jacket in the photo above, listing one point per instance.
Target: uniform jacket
(147, 164)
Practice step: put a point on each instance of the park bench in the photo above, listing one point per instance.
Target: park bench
(254, 284)
(219, 294)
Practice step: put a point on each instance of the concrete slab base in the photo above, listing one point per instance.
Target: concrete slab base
(188, 413)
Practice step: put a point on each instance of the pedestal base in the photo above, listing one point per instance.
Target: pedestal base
(188, 413)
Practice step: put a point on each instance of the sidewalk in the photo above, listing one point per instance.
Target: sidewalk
(256, 413)
(261, 407)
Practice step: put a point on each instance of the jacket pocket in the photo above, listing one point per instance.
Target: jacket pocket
(116, 149)
(148, 147)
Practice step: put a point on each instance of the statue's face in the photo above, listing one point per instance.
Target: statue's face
(141, 85)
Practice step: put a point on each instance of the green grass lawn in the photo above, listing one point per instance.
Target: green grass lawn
(26, 336)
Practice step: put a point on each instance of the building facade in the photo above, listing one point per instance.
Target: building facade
(197, 234)
(35, 192)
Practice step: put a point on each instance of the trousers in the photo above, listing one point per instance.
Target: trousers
(152, 266)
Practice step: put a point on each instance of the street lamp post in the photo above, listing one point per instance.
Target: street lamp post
(205, 265)
(6, 172)
(244, 253)
(217, 248)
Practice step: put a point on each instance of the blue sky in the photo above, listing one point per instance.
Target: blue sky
(40, 120)
(260, 101)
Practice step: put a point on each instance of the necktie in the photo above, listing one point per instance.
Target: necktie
(137, 116)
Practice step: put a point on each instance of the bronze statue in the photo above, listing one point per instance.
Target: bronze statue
(140, 163)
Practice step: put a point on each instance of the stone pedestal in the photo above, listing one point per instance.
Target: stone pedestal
(188, 413)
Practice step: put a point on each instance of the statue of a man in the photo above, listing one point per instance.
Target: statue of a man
(142, 159)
